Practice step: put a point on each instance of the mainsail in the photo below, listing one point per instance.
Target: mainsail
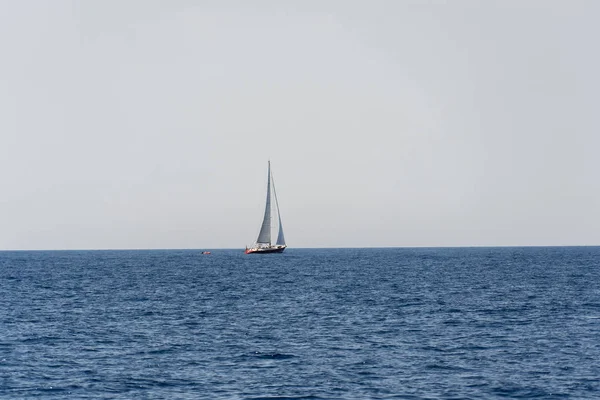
(265, 230)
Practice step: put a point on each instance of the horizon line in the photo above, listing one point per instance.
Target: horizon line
(310, 248)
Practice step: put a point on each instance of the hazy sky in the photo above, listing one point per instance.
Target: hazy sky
(148, 124)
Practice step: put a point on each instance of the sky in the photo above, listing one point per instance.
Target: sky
(143, 124)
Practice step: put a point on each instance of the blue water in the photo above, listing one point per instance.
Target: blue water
(317, 324)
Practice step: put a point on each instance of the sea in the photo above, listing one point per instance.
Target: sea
(376, 323)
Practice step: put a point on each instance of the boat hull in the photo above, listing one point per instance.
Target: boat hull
(266, 250)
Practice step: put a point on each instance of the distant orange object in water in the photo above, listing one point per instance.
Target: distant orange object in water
(206, 252)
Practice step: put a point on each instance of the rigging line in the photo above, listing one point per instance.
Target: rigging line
(275, 193)
(280, 236)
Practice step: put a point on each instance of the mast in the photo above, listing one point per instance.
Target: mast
(264, 237)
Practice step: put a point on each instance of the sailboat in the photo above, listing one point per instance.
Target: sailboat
(263, 244)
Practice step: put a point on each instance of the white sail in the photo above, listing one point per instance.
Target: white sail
(280, 237)
(265, 230)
